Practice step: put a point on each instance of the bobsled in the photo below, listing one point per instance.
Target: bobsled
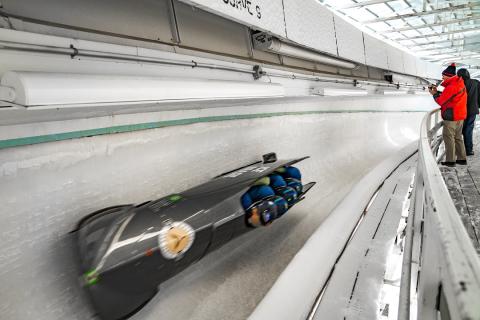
(126, 251)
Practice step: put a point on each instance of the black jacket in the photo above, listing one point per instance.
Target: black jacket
(473, 91)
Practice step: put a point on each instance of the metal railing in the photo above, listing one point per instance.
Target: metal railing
(441, 269)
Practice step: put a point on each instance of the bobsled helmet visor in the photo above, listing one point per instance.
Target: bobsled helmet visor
(262, 213)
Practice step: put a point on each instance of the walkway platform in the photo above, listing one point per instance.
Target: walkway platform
(463, 182)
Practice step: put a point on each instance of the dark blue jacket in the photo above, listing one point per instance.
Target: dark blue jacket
(473, 92)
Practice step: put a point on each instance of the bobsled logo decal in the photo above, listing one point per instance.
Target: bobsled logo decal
(175, 239)
(245, 170)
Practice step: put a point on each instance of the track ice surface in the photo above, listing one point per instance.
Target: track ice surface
(47, 188)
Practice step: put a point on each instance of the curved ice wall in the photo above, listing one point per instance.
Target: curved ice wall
(46, 188)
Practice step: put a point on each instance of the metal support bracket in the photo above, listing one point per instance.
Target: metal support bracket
(257, 72)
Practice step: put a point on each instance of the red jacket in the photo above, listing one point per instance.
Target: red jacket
(453, 100)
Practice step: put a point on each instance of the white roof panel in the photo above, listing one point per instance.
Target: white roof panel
(413, 23)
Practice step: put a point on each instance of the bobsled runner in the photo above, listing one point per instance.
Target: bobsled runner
(126, 251)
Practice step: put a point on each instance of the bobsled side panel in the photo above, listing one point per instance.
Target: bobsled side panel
(225, 227)
(118, 302)
(122, 290)
(240, 225)
(221, 235)
(233, 182)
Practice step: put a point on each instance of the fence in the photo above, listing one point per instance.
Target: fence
(441, 270)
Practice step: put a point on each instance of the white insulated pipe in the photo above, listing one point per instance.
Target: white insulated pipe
(33, 89)
(268, 43)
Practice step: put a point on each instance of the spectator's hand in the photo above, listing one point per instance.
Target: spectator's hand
(433, 90)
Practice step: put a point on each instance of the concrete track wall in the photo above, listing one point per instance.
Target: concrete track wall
(46, 188)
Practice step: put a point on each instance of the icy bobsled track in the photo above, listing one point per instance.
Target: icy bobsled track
(47, 188)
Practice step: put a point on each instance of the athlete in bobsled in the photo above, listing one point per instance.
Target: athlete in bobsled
(272, 196)
(126, 251)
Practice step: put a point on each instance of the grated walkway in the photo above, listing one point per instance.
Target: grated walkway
(463, 182)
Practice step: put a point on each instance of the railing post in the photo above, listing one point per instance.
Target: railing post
(406, 279)
(431, 132)
(434, 134)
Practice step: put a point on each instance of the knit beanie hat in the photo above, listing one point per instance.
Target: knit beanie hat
(450, 71)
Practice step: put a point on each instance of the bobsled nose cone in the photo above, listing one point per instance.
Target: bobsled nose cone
(95, 234)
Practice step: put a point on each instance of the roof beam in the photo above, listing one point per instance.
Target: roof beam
(424, 26)
(449, 55)
(452, 46)
(468, 58)
(450, 51)
(457, 58)
(421, 45)
(363, 4)
(439, 34)
(425, 13)
(414, 10)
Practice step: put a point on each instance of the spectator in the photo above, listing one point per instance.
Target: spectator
(453, 103)
(473, 89)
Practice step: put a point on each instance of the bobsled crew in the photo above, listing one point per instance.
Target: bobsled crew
(126, 251)
(272, 196)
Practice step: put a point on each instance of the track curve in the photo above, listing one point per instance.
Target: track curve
(47, 188)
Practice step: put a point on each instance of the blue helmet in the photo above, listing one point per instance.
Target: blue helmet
(288, 193)
(277, 181)
(282, 205)
(295, 184)
(246, 201)
(260, 192)
(292, 172)
(262, 213)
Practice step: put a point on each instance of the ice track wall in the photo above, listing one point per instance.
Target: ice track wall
(46, 188)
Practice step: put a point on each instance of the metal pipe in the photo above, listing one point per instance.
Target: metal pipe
(266, 42)
(345, 81)
(76, 52)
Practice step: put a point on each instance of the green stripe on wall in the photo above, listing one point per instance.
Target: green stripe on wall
(9, 143)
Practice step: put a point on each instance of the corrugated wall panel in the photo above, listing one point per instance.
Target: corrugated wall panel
(409, 63)
(395, 59)
(349, 41)
(375, 52)
(421, 67)
(310, 24)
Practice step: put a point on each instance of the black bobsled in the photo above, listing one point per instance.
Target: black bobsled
(127, 251)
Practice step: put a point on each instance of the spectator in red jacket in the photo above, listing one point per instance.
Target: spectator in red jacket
(453, 103)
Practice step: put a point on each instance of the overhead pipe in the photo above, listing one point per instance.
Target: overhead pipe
(266, 42)
(77, 52)
(30, 42)
(43, 89)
